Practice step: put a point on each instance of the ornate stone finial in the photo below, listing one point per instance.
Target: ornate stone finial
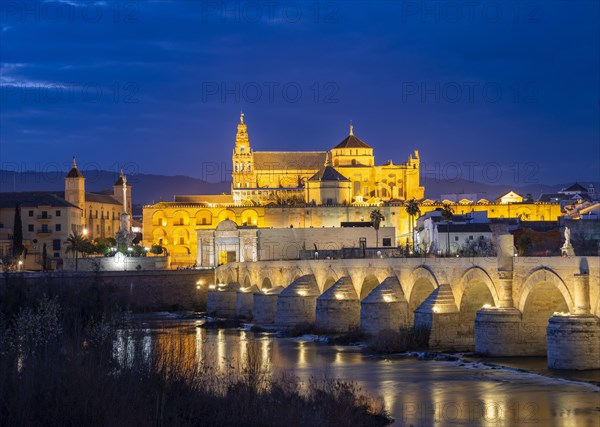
(74, 163)
(327, 159)
(351, 128)
(241, 117)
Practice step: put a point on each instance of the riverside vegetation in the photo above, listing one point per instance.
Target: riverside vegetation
(59, 367)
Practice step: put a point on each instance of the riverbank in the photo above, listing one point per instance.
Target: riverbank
(84, 362)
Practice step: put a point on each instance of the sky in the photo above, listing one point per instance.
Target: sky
(491, 91)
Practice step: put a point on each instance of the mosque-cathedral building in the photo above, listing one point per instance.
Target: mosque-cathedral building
(272, 189)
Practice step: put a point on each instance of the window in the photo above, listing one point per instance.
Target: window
(96, 214)
(56, 255)
(56, 245)
(44, 228)
(57, 227)
(30, 227)
(456, 238)
(387, 241)
(180, 221)
(181, 241)
(470, 237)
(203, 221)
(44, 214)
(30, 213)
(57, 213)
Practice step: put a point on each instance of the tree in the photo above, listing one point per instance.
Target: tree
(76, 243)
(447, 215)
(156, 249)
(412, 208)
(17, 241)
(44, 258)
(376, 218)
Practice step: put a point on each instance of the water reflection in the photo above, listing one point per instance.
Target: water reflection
(415, 392)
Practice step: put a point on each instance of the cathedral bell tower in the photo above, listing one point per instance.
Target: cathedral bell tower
(75, 188)
(242, 159)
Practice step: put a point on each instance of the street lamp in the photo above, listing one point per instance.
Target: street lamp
(85, 232)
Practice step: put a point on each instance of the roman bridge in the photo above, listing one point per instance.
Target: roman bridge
(501, 306)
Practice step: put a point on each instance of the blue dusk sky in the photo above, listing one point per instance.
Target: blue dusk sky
(499, 92)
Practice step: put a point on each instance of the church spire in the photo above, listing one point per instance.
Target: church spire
(242, 134)
(351, 128)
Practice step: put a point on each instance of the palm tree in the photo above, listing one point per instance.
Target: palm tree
(376, 218)
(76, 243)
(412, 209)
(17, 240)
(447, 214)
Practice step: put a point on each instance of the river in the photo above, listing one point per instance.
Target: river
(415, 392)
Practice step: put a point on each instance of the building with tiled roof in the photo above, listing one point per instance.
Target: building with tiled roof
(47, 220)
(49, 217)
(101, 212)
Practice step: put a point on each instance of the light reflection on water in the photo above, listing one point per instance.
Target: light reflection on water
(414, 392)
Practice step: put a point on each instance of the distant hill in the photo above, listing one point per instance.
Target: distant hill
(149, 188)
(146, 188)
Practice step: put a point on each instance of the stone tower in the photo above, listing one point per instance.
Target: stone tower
(75, 188)
(242, 159)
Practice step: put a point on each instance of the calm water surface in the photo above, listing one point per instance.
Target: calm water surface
(417, 392)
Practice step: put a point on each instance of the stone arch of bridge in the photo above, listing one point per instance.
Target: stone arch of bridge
(369, 283)
(421, 283)
(266, 283)
(543, 294)
(329, 282)
(476, 277)
(540, 276)
(474, 290)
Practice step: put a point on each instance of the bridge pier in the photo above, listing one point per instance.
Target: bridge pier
(441, 317)
(338, 308)
(265, 305)
(573, 340)
(245, 302)
(498, 332)
(222, 300)
(297, 304)
(385, 308)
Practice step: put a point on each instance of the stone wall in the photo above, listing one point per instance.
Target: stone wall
(117, 263)
(138, 290)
